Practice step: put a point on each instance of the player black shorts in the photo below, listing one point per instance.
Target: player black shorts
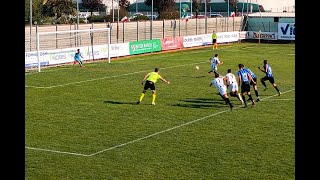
(255, 80)
(149, 84)
(214, 41)
(245, 87)
(270, 79)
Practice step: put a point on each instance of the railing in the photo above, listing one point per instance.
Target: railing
(144, 30)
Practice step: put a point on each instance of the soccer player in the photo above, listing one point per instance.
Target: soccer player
(151, 78)
(269, 76)
(244, 78)
(254, 85)
(77, 57)
(232, 84)
(219, 84)
(214, 40)
(214, 63)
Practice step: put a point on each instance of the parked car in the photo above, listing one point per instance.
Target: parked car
(202, 16)
(154, 16)
(189, 16)
(135, 15)
(216, 15)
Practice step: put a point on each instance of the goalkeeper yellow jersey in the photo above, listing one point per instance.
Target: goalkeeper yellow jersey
(153, 76)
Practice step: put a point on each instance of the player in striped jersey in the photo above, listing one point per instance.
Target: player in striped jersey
(244, 78)
(254, 85)
(269, 76)
(232, 84)
(218, 82)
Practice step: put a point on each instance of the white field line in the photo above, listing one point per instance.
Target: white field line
(54, 151)
(108, 77)
(151, 135)
(280, 99)
(143, 58)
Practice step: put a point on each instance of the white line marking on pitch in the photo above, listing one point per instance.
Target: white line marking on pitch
(47, 87)
(149, 136)
(61, 152)
(280, 99)
(107, 77)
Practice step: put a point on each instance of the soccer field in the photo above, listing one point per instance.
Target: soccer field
(84, 123)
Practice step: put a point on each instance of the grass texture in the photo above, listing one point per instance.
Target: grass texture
(83, 123)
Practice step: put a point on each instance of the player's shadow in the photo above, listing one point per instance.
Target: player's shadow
(203, 103)
(195, 76)
(118, 102)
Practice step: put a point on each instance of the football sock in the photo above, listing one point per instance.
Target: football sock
(222, 97)
(250, 97)
(257, 94)
(153, 98)
(141, 96)
(239, 96)
(244, 99)
(276, 88)
(264, 84)
(228, 101)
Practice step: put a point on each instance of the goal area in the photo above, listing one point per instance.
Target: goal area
(59, 47)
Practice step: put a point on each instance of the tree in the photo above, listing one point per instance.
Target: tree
(196, 5)
(36, 10)
(234, 4)
(59, 7)
(92, 5)
(162, 5)
(125, 4)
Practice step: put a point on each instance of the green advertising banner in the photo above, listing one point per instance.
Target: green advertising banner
(144, 46)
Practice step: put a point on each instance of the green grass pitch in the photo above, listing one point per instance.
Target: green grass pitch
(83, 123)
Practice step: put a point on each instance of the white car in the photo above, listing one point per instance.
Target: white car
(216, 15)
(135, 15)
(189, 16)
(154, 16)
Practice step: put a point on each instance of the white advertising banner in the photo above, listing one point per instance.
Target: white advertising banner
(31, 59)
(120, 49)
(223, 37)
(205, 39)
(198, 40)
(59, 56)
(286, 31)
(263, 35)
(243, 35)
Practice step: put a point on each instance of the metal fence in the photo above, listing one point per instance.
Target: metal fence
(122, 32)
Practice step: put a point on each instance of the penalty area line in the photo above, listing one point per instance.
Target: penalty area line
(108, 77)
(55, 151)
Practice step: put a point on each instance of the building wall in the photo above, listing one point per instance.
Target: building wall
(215, 7)
(266, 24)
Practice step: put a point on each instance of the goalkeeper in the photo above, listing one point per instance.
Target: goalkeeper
(77, 58)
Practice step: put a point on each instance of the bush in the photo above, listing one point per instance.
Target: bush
(169, 15)
(139, 18)
(95, 18)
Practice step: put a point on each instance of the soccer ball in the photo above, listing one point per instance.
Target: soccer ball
(197, 67)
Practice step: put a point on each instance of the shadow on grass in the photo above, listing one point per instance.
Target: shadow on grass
(201, 103)
(118, 102)
(195, 76)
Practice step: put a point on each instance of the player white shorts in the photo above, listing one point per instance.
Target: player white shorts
(222, 90)
(233, 87)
